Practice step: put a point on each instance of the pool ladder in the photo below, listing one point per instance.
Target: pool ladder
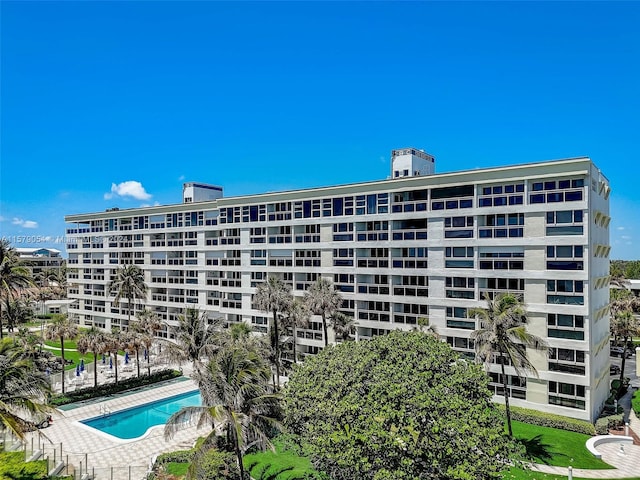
(104, 410)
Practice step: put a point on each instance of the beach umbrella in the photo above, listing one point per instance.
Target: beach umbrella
(103, 362)
(126, 357)
(145, 354)
(110, 362)
(82, 364)
(48, 371)
(77, 370)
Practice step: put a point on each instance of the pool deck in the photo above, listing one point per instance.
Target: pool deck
(100, 451)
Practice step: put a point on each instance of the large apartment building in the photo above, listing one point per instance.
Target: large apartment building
(415, 245)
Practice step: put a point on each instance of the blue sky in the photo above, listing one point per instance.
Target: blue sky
(118, 103)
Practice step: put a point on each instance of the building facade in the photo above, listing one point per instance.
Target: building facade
(417, 245)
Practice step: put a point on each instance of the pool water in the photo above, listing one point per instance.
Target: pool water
(134, 422)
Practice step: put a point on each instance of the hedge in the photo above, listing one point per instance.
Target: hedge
(111, 388)
(544, 419)
(603, 424)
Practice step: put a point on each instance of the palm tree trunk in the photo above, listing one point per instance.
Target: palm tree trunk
(115, 364)
(138, 360)
(1, 335)
(63, 362)
(95, 369)
(295, 355)
(506, 396)
(624, 360)
(324, 329)
(148, 359)
(277, 346)
(239, 457)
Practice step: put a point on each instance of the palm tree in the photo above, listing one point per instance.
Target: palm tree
(13, 275)
(57, 279)
(112, 343)
(128, 283)
(236, 402)
(298, 316)
(16, 311)
(134, 340)
(61, 328)
(503, 333)
(196, 338)
(343, 326)
(23, 390)
(147, 325)
(274, 296)
(324, 300)
(92, 340)
(625, 325)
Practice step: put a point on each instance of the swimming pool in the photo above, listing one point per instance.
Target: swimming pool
(134, 422)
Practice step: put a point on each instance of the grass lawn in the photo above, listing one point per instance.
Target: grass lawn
(72, 355)
(517, 474)
(12, 465)
(177, 469)
(635, 402)
(559, 448)
(68, 343)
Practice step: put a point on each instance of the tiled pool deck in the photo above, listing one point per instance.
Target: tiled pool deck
(101, 452)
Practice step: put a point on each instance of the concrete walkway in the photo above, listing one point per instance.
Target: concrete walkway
(106, 456)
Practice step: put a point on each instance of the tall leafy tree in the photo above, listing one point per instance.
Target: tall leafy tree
(128, 283)
(237, 403)
(13, 276)
(61, 328)
(503, 335)
(195, 338)
(324, 300)
(93, 341)
(374, 410)
(23, 390)
(297, 316)
(274, 296)
(625, 325)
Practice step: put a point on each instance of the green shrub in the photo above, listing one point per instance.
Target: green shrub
(544, 419)
(603, 424)
(111, 388)
(180, 456)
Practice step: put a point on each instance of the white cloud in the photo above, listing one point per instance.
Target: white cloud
(130, 188)
(2, 219)
(25, 223)
(626, 237)
(620, 228)
(144, 205)
(181, 178)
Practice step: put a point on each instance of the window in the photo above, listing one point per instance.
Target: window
(460, 287)
(565, 326)
(565, 222)
(460, 257)
(565, 257)
(501, 195)
(567, 190)
(567, 395)
(458, 227)
(566, 292)
(502, 261)
(457, 318)
(567, 361)
(502, 226)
